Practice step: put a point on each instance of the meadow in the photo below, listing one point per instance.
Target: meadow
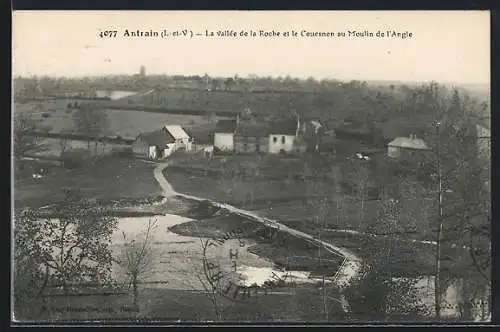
(127, 123)
(110, 178)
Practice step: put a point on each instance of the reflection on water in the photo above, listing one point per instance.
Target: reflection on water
(178, 259)
(259, 275)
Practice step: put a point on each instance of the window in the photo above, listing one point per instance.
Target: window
(275, 139)
(257, 147)
(245, 147)
(282, 139)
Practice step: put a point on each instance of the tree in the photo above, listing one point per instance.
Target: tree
(90, 122)
(30, 274)
(360, 176)
(77, 242)
(24, 140)
(138, 257)
(215, 280)
(462, 201)
(229, 83)
(378, 293)
(69, 249)
(63, 144)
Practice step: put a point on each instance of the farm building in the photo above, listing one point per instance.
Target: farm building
(154, 145)
(251, 137)
(406, 147)
(161, 143)
(182, 139)
(246, 137)
(282, 136)
(224, 134)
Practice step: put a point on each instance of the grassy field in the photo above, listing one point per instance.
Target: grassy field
(125, 123)
(245, 193)
(109, 178)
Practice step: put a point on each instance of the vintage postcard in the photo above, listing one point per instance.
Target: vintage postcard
(251, 166)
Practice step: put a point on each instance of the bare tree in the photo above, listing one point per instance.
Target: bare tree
(90, 122)
(360, 177)
(211, 280)
(460, 196)
(137, 258)
(63, 144)
(24, 136)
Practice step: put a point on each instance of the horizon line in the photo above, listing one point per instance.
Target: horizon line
(247, 76)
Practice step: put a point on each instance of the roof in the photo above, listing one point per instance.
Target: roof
(409, 143)
(176, 131)
(225, 126)
(284, 127)
(158, 138)
(253, 130)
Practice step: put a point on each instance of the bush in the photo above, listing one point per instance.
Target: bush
(122, 152)
(75, 158)
(376, 294)
(46, 115)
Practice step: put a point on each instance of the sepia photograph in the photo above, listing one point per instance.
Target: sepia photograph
(251, 167)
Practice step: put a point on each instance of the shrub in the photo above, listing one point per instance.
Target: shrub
(122, 152)
(46, 115)
(75, 158)
(376, 294)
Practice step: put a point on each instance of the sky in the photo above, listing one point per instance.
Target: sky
(446, 46)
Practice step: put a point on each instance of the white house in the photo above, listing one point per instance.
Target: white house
(182, 139)
(224, 134)
(283, 135)
(402, 146)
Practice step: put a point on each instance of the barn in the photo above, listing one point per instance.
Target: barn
(154, 145)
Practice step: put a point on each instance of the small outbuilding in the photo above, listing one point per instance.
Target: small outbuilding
(154, 145)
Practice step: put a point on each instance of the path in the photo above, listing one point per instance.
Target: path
(344, 253)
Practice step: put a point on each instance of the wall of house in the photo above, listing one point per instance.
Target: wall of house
(183, 143)
(224, 141)
(140, 148)
(152, 153)
(393, 151)
(276, 143)
(244, 144)
(406, 154)
(171, 147)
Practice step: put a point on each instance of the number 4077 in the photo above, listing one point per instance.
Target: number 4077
(108, 33)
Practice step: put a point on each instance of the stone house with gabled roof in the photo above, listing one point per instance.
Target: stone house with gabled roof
(409, 148)
(278, 136)
(182, 139)
(154, 145)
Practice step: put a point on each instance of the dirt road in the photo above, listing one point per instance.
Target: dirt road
(351, 261)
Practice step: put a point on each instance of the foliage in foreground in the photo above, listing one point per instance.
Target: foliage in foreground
(69, 249)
